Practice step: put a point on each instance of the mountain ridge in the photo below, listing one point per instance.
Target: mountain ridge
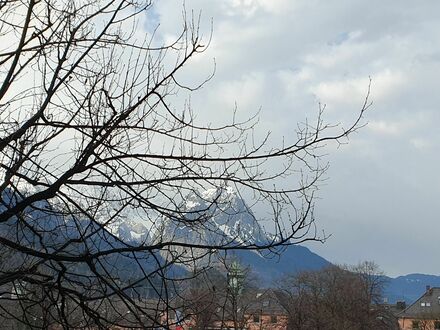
(232, 224)
(230, 217)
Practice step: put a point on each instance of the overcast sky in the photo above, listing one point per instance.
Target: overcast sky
(381, 201)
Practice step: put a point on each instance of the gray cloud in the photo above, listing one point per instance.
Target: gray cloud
(286, 56)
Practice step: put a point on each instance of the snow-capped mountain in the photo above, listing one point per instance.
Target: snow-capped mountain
(216, 217)
(221, 217)
(131, 230)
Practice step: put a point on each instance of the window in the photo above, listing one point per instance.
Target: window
(422, 304)
(273, 319)
(428, 304)
(256, 318)
(415, 324)
(265, 303)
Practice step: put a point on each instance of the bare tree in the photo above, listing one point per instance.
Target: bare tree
(372, 283)
(337, 298)
(223, 298)
(89, 139)
(202, 299)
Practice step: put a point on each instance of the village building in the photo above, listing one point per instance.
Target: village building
(424, 313)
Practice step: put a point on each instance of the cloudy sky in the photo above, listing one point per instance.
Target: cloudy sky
(381, 201)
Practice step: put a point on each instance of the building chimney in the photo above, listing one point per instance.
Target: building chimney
(428, 287)
(401, 305)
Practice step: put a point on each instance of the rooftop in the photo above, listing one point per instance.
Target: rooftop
(427, 304)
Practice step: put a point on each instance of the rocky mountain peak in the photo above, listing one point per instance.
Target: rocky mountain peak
(217, 216)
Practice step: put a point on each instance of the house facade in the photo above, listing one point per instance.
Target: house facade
(424, 313)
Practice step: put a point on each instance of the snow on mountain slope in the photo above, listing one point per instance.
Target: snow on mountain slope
(221, 217)
(131, 230)
(212, 217)
(215, 217)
